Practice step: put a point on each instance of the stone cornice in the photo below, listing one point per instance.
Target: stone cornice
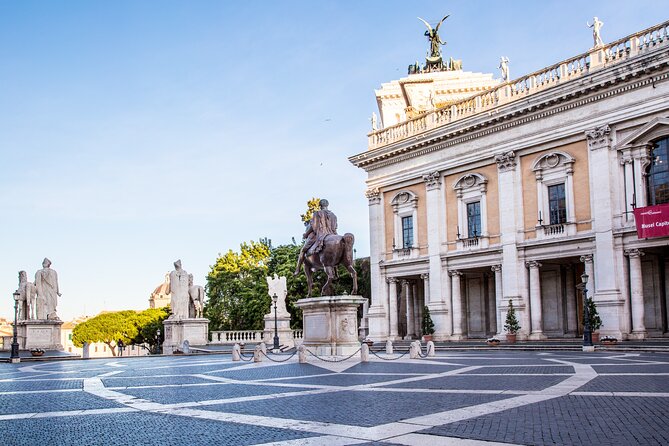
(612, 81)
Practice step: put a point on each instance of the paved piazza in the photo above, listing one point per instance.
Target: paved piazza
(464, 398)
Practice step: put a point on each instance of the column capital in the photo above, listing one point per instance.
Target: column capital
(496, 268)
(634, 253)
(533, 264)
(454, 272)
(432, 180)
(373, 194)
(587, 258)
(599, 137)
(506, 161)
(425, 276)
(392, 280)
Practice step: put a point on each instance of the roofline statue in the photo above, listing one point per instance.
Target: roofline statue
(432, 35)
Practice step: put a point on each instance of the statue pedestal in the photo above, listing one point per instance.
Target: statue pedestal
(44, 334)
(331, 324)
(193, 330)
(283, 330)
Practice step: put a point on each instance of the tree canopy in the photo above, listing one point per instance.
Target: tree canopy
(128, 326)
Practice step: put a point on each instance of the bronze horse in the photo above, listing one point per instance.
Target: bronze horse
(337, 250)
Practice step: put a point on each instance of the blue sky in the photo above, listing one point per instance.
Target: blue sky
(136, 133)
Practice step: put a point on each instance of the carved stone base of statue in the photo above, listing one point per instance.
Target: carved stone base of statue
(283, 330)
(44, 334)
(331, 324)
(193, 330)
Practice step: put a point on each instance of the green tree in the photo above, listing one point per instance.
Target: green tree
(511, 324)
(312, 206)
(237, 288)
(148, 323)
(109, 327)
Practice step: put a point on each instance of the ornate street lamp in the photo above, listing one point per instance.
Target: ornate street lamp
(158, 341)
(14, 356)
(276, 330)
(587, 329)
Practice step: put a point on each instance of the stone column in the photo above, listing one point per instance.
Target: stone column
(589, 268)
(607, 271)
(416, 308)
(628, 169)
(456, 305)
(510, 224)
(636, 286)
(572, 311)
(426, 287)
(535, 300)
(378, 310)
(392, 307)
(497, 269)
(409, 313)
(435, 293)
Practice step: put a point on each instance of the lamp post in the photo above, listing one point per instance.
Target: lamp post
(587, 329)
(14, 356)
(276, 329)
(158, 351)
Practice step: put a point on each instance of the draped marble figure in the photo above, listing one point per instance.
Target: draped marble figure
(178, 290)
(46, 282)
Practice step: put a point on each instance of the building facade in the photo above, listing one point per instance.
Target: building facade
(515, 191)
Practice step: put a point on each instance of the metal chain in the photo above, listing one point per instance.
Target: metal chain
(389, 359)
(243, 358)
(334, 360)
(276, 360)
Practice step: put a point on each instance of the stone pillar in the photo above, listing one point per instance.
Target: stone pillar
(378, 310)
(636, 286)
(497, 269)
(589, 269)
(409, 313)
(435, 297)
(457, 305)
(572, 309)
(535, 300)
(416, 308)
(605, 199)
(426, 287)
(511, 224)
(628, 170)
(392, 307)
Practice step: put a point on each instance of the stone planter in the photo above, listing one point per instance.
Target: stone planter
(511, 338)
(427, 338)
(493, 343)
(595, 337)
(37, 352)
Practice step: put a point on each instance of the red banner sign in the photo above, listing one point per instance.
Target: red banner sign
(652, 221)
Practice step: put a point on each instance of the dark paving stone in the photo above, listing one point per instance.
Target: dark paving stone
(163, 370)
(356, 408)
(466, 362)
(172, 395)
(51, 402)
(636, 368)
(400, 367)
(343, 379)
(501, 382)
(571, 420)
(627, 384)
(138, 428)
(152, 381)
(282, 371)
(14, 386)
(546, 370)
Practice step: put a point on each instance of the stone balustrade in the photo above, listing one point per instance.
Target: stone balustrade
(538, 81)
(234, 337)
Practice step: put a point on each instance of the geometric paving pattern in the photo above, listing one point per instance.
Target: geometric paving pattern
(482, 397)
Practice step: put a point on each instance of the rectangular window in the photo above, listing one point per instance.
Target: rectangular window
(473, 219)
(658, 174)
(69, 336)
(407, 232)
(557, 204)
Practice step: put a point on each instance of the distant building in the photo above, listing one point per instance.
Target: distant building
(515, 190)
(160, 297)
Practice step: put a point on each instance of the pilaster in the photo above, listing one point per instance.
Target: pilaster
(378, 310)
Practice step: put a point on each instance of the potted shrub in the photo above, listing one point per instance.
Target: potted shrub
(511, 325)
(427, 326)
(595, 320)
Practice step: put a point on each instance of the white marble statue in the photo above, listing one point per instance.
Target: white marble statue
(375, 125)
(277, 285)
(178, 290)
(28, 299)
(596, 31)
(196, 294)
(504, 68)
(46, 282)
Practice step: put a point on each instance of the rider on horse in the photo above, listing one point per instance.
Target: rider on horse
(322, 224)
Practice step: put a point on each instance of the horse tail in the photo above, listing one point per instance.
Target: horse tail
(348, 243)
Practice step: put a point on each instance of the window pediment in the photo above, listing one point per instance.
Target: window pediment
(403, 199)
(553, 161)
(471, 181)
(656, 128)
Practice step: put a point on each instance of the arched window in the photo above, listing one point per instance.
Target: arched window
(658, 173)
